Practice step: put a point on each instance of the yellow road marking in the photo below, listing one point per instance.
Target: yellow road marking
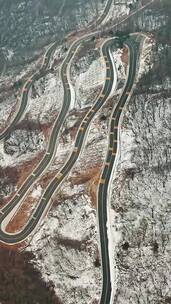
(102, 181)
(113, 153)
(124, 110)
(33, 174)
(75, 149)
(107, 68)
(81, 129)
(59, 176)
(108, 78)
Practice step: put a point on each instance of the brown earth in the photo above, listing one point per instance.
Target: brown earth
(124, 56)
(91, 178)
(16, 176)
(20, 219)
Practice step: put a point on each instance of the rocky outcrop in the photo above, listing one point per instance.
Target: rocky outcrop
(22, 141)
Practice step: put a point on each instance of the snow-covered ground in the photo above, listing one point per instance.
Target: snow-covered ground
(87, 75)
(146, 57)
(21, 146)
(66, 247)
(65, 251)
(6, 108)
(116, 11)
(141, 202)
(120, 65)
(37, 192)
(72, 271)
(46, 98)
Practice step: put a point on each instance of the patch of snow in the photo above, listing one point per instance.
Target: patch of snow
(116, 11)
(89, 81)
(87, 75)
(36, 193)
(117, 54)
(115, 80)
(10, 54)
(127, 146)
(141, 201)
(48, 98)
(93, 77)
(6, 107)
(19, 147)
(58, 257)
(146, 58)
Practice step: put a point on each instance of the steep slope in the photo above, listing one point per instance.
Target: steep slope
(64, 253)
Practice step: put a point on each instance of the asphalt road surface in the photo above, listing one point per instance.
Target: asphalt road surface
(25, 91)
(45, 201)
(106, 174)
(44, 204)
(44, 163)
(40, 73)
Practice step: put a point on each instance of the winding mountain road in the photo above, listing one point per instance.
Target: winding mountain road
(45, 202)
(16, 201)
(10, 209)
(46, 59)
(7, 212)
(25, 91)
(106, 176)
